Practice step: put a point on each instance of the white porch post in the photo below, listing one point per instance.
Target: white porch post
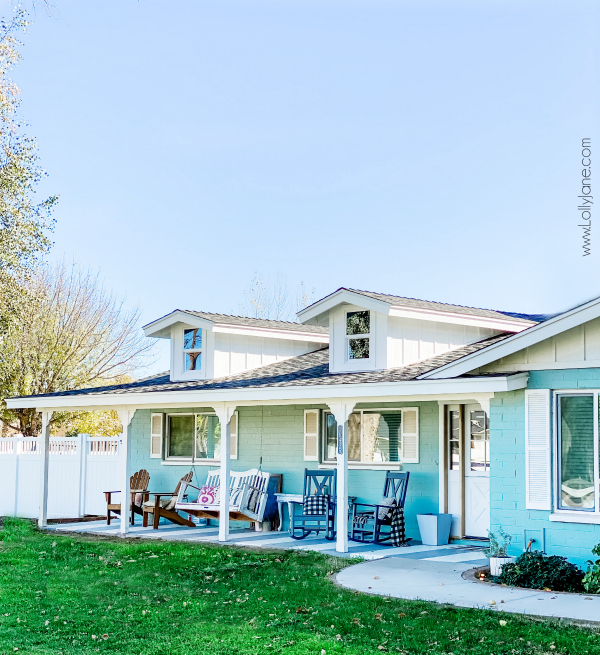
(125, 416)
(224, 414)
(341, 411)
(44, 461)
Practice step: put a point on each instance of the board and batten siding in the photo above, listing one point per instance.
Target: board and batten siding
(577, 347)
(235, 353)
(277, 434)
(411, 340)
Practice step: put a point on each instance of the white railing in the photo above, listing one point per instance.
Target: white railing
(81, 468)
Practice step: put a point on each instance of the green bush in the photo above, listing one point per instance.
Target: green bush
(535, 570)
(591, 580)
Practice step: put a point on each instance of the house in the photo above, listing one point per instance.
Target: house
(495, 414)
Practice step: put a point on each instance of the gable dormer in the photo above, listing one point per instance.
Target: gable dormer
(206, 346)
(371, 331)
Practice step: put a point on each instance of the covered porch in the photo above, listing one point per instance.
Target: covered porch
(268, 430)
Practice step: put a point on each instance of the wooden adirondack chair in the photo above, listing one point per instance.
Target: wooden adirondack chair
(164, 505)
(138, 484)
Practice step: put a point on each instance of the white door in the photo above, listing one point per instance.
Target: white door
(476, 471)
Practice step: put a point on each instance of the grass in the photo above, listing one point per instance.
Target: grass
(78, 594)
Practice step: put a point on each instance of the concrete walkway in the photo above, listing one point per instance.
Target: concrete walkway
(442, 581)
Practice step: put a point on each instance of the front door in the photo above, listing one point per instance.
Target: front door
(468, 460)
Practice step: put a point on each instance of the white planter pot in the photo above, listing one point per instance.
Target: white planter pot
(496, 564)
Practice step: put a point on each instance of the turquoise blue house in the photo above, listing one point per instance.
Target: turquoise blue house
(495, 414)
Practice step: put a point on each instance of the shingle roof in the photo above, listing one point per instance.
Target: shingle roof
(445, 307)
(304, 370)
(247, 321)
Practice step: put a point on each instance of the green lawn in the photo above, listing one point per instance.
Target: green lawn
(77, 594)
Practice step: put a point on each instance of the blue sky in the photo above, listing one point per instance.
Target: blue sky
(429, 148)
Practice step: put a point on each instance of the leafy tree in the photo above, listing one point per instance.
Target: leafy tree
(24, 222)
(71, 334)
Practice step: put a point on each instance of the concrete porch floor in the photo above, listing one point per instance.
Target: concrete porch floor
(470, 554)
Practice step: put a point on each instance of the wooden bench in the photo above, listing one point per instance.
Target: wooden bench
(248, 493)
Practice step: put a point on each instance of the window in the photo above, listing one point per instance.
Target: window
(358, 333)
(454, 439)
(193, 436)
(375, 436)
(577, 452)
(192, 349)
(480, 441)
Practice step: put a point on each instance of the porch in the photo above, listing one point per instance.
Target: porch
(462, 552)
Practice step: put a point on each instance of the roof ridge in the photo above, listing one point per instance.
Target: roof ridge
(255, 318)
(449, 304)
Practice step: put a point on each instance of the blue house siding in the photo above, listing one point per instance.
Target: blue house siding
(507, 477)
(278, 433)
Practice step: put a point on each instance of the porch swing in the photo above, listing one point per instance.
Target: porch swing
(248, 491)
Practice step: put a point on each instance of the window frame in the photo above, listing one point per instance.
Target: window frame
(348, 337)
(186, 351)
(173, 459)
(360, 463)
(592, 516)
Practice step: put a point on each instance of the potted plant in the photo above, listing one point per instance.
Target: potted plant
(498, 551)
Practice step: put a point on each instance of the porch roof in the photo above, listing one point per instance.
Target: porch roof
(309, 370)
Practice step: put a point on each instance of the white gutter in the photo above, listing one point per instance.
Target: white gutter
(290, 394)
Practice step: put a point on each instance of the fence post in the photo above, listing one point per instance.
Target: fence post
(16, 439)
(82, 450)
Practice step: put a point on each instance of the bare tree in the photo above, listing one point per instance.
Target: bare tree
(72, 333)
(272, 298)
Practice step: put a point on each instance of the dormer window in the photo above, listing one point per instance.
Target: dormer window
(358, 333)
(192, 349)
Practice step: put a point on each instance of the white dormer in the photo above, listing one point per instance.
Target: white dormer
(370, 332)
(206, 346)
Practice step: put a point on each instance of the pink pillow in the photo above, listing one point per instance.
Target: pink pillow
(208, 496)
(138, 499)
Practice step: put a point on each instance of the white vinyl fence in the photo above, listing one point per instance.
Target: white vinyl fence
(81, 468)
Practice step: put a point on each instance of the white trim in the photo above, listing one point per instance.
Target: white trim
(355, 466)
(161, 328)
(574, 517)
(550, 366)
(271, 333)
(339, 297)
(556, 472)
(520, 341)
(506, 324)
(365, 392)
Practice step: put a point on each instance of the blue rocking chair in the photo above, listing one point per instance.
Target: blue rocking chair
(374, 522)
(318, 509)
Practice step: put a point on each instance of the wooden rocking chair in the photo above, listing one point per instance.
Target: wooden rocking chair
(138, 484)
(163, 506)
(370, 527)
(318, 508)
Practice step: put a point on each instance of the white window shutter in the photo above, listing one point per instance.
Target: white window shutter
(311, 435)
(156, 435)
(538, 494)
(410, 435)
(233, 425)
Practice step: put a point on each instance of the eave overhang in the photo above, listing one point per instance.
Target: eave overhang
(368, 392)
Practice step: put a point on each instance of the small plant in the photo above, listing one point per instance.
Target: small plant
(499, 544)
(591, 579)
(536, 570)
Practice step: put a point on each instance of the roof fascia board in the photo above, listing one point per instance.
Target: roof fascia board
(339, 297)
(519, 341)
(271, 333)
(506, 325)
(199, 398)
(161, 328)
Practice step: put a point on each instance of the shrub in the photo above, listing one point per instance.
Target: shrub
(535, 570)
(591, 580)
(499, 544)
